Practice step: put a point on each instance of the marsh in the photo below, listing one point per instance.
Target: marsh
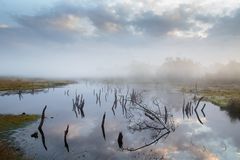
(120, 79)
(184, 136)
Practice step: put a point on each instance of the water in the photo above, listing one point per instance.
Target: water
(216, 138)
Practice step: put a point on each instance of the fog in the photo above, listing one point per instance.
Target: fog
(178, 70)
(171, 69)
(137, 40)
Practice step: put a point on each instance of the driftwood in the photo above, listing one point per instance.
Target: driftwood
(40, 127)
(160, 124)
(156, 103)
(98, 97)
(183, 108)
(198, 102)
(103, 129)
(115, 99)
(166, 115)
(78, 105)
(34, 135)
(65, 138)
(74, 108)
(148, 144)
(120, 140)
(113, 111)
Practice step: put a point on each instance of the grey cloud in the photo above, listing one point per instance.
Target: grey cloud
(156, 25)
(227, 26)
(112, 23)
(42, 22)
(12, 37)
(147, 22)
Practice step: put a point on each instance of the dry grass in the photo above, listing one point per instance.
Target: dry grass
(227, 97)
(29, 84)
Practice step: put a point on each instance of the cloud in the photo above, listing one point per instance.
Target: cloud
(66, 25)
(68, 21)
(227, 26)
(199, 30)
(74, 23)
(4, 26)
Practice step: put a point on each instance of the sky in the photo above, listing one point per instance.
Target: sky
(81, 38)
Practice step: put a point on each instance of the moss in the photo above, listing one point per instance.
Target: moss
(8, 123)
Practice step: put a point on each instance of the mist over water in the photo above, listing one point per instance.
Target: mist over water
(121, 79)
(170, 70)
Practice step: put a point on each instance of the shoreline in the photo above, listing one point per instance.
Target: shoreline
(9, 123)
(18, 84)
(226, 97)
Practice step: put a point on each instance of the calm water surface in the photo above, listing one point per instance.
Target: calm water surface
(217, 138)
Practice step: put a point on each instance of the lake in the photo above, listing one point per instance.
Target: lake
(123, 121)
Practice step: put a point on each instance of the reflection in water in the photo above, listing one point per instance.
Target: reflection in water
(188, 109)
(233, 110)
(139, 122)
(115, 100)
(20, 96)
(202, 110)
(40, 128)
(141, 116)
(103, 129)
(20, 93)
(98, 97)
(66, 92)
(145, 118)
(65, 138)
(78, 105)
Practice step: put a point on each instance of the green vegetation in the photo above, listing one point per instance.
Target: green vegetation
(8, 123)
(12, 84)
(227, 97)
(221, 96)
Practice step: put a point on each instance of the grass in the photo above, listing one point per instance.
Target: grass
(221, 96)
(7, 124)
(12, 84)
(227, 97)
(10, 122)
(10, 153)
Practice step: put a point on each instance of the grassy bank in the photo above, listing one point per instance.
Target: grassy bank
(227, 97)
(7, 124)
(14, 84)
(10, 122)
(221, 97)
